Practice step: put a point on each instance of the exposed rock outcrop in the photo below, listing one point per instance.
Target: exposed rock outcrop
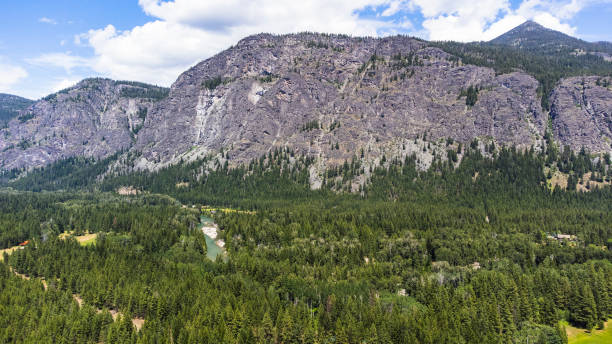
(331, 97)
(581, 113)
(95, 118)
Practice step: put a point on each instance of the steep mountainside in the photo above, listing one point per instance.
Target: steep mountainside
(95, 118)
(333, 97)
(10, 106)
(581, 113)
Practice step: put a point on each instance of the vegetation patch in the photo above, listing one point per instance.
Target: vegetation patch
(86, 239)
(25, 117)
(213, 83)
(581, 336)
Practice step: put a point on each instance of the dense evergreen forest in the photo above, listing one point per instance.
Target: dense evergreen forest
(467, 251)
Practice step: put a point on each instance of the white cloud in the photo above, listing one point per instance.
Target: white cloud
(188, 31)
(457, 20)
(61, 84)
(394, 7)
(67, 61)
(269, 15)
(10, 75)
(487, 19)
(46, 20)
(184, 32)
(156, 52)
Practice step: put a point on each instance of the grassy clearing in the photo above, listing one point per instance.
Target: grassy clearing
(580, 336)
(559, 180)
(586, 178)
(86, 239)
(8, 251)
(226, 210)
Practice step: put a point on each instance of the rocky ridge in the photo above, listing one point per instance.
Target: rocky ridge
(331, 97)
(581, 113)
(334, 97)
(95, 118)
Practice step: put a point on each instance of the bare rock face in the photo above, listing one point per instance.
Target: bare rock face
(330, 97)
(333, 97)
(581, 113)
(95, 118)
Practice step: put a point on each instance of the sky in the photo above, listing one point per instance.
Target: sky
(46, 46)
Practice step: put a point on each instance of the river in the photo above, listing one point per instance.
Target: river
(213, 250)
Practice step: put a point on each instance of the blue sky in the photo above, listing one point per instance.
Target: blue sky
(49, 45)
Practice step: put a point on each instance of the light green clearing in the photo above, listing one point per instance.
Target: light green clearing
(580, 336)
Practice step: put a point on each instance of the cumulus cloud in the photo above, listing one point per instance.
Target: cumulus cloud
(184, 32)
(155, 52)
(338, 16)
(454, 20)
(10, 75)
(468, 21)
(63, 83)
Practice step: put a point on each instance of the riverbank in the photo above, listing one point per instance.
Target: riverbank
(214, 246)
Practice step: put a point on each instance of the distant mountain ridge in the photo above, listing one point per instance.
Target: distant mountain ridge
(10, 105)
(95, 118)
(332, 98)
(534, 37)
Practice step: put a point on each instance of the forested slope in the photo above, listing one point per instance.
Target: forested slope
(455, 254)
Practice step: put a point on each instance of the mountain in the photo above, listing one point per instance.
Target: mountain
(95, 118)
(10, 106)
(531, 36)
(332, 98)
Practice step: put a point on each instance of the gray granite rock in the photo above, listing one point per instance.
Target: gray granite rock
(95, 118)
(377, 90)
(370, 95)
(581, 113)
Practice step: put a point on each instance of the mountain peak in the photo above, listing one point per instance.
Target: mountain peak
(533, 36)
(531, 25)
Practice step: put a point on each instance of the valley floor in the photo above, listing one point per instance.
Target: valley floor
(424, 257)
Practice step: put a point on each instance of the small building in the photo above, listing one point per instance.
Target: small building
(25, 243)
(558, 236)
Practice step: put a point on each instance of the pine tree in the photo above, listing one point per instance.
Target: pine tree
(584, 313)
(287, 329)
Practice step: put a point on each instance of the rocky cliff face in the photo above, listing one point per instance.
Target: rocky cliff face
(332, 97)
(326, 96)
(581, 113)
(95, 118)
